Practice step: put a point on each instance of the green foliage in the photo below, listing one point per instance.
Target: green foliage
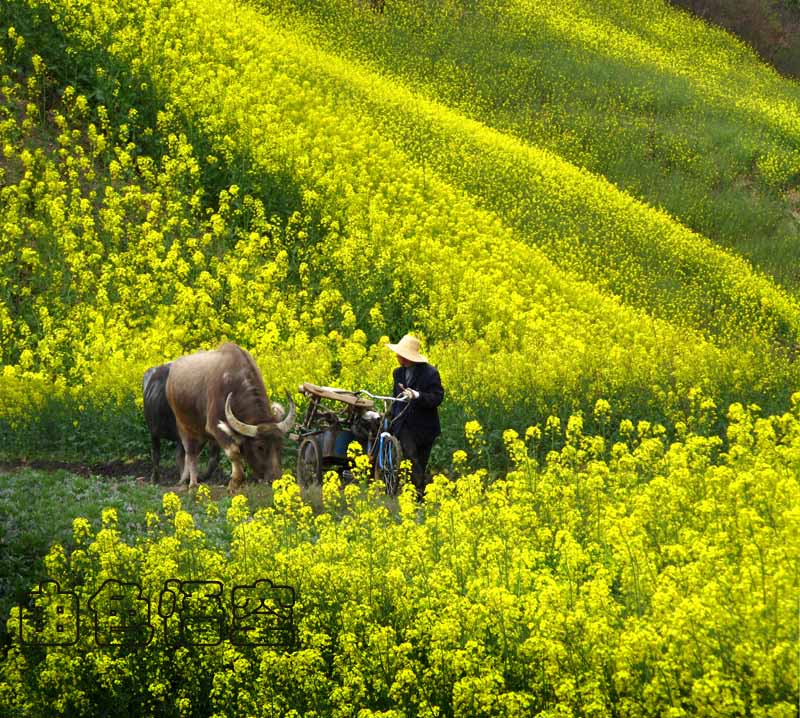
(36, 510)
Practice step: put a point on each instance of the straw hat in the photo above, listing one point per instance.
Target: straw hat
(408, 347)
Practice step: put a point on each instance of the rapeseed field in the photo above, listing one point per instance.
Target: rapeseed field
(252, 186)
(648, 578)
(587, 211)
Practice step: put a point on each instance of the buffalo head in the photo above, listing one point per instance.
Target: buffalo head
(260, 444)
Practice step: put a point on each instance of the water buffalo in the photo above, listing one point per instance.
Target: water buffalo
(161, 422)
(220, 396)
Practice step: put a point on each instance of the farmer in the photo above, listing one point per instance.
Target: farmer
(418, 426)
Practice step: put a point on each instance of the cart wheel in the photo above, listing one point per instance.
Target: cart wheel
(387, 465)
(309, 463)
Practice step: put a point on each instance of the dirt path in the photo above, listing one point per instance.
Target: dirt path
(113, 469)
(137, 470)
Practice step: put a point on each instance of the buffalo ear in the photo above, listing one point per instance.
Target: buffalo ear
(278, 411)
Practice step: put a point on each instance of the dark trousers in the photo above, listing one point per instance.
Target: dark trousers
(418, 451)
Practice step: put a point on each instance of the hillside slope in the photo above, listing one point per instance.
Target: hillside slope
(666, 107)
(246, 183)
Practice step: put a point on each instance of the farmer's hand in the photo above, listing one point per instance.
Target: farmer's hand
(408, 394)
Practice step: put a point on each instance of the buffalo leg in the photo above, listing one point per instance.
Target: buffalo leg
(213, 461)
(180, 458)
(229, 446)
(231, 449)
(193, 447)
(190, 464)
(155, 454)
(190, 452)
(185, 477)
(237, 470)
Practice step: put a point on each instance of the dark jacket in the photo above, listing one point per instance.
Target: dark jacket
(421, 418)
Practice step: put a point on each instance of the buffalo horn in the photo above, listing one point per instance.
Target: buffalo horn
(238, 426)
